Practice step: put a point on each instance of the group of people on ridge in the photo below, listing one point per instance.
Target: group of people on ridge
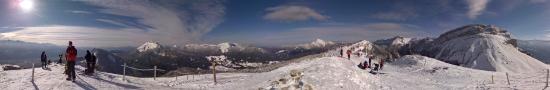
(367, 63)
(71, 58)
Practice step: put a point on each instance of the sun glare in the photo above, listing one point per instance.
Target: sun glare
(26, 5)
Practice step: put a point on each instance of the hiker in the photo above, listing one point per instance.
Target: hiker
(88, 58)
(370, 60)
(341, 52)
(70, 56)
(367, 62)
(349, 54)
(43, 59)
(94, 61)
(60, 59)
(382, 63)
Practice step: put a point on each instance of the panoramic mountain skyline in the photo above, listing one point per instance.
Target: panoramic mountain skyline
(112, 23)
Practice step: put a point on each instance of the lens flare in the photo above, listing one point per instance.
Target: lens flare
(26, 5)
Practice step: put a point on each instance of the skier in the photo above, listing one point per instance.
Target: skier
(349, 54)
(88, 58)
(70, 56)
(43, 59)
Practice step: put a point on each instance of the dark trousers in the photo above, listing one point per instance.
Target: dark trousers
(44, 64)
(71, 72)
(90, 67)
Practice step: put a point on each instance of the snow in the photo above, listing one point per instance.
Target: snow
(316, 44)
(329, 72)
(148, 46)
(222, 47)
(484, 47)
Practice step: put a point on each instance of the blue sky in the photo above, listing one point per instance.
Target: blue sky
(111, 23)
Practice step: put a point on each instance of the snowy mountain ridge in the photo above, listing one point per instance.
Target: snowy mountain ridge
(222, 47)
(318, 43)
(484, 47)
(150, 45)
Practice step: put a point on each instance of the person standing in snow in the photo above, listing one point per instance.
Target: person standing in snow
(70, 56)
(60, 59)
(341, 52)
(370, 60)
(382, 63)
(88, 58)
(94, 61)
(43, 59)
(349, 54)
(367, 62)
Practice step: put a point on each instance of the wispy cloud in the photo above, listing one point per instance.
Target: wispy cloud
(293, 13)
(168, 22)
(112, 22)
(79, 12)
(476, 7)
(82, 36)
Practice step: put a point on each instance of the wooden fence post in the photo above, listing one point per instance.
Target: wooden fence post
(32, 76)
(547, 75)
(507, 78)
(124, 72)
(155, 73)
(214, 71)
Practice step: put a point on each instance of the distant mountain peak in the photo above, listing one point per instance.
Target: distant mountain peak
(150, 45)
(473, 29)
(316, 44)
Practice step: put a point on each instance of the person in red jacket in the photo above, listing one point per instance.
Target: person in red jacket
(70, 56)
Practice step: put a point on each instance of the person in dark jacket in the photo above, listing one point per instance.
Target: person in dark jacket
(94, 61)
(70, 56)
(43, 59)
(88, 58)
(60, 59)
(341, 52)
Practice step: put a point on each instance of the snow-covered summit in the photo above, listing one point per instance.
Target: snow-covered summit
(316, 44)
(149, 46)
(484, 47)
(395, 41)
(222, 47)
(474, 29)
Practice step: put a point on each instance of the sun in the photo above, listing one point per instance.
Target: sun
(26, 5)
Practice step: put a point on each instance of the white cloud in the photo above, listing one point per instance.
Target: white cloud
(112, 22)
(164, 21)
(82, 36)
(79, 12)
(293, 13)
(476, 7)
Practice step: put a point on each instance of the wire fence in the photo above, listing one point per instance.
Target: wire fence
(521, 80)
(155, 69)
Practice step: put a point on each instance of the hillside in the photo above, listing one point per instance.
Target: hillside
(477, 46)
